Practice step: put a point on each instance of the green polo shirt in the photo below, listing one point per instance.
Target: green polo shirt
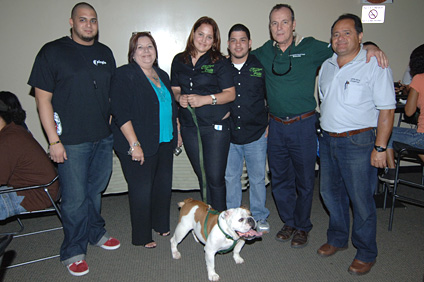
(293, 93)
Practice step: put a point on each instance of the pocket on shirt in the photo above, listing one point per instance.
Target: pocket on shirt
(354, 94)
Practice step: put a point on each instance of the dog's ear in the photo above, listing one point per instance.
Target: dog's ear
(228, 213)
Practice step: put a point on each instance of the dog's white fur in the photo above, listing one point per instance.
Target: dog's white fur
(192, 217)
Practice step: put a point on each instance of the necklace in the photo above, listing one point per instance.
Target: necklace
(154, 75)
(155, 78)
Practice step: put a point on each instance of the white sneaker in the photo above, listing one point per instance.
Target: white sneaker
(262, 226)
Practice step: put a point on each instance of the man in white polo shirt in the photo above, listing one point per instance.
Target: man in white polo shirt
(357, 111)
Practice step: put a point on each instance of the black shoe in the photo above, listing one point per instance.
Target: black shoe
(388, 176)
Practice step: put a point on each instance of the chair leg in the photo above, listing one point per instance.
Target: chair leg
(392, 209)
(422, 174)
(54, 204)
(385, 188)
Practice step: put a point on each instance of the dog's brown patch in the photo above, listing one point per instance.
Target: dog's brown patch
(199, 215)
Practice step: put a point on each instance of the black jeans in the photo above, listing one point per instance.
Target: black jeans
(216, 144)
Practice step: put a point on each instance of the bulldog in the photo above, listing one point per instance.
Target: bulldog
(219, 232)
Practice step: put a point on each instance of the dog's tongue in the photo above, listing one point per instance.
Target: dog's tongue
(250, 234)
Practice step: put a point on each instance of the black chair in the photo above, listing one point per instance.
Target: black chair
(19, 233)
(405, 153)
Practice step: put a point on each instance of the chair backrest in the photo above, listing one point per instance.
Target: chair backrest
(19, 233)
(54, 207)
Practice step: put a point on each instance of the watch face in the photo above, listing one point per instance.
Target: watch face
(376, 1)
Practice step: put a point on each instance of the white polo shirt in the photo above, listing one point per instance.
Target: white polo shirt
(352, 96)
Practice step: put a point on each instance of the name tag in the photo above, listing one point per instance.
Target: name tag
(218, 127)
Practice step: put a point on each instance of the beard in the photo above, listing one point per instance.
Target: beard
(83, 37)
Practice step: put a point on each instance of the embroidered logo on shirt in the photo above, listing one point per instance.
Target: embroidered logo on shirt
(207, 68)
(297, 55)
(355, 80)
(99, 62)
(256, 72)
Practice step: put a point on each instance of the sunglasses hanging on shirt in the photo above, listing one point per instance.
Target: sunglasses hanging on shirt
(290, 66)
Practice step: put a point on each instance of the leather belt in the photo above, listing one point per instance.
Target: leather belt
(293, 119)
(349, 133)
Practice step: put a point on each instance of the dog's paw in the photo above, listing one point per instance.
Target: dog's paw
(176, 255)
(213, 277)
(238, 259)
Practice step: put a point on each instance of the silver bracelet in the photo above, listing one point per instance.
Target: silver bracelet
(131, 150)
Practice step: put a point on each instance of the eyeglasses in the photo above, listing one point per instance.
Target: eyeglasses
(290, 66)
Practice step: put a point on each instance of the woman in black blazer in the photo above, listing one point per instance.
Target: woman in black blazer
(145, 135)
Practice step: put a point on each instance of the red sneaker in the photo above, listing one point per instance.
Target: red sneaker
(78, 268)
(111, 244)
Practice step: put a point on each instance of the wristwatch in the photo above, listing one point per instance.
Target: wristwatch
(135, 144)
(214, 101)
(379, 148)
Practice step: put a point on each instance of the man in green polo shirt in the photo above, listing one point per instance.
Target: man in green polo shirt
(291, 63)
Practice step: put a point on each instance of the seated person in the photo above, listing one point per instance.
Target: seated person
(402, 86)
(410, 136)
(15, 107)
(23, 163)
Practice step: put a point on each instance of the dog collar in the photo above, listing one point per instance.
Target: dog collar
(226, 235)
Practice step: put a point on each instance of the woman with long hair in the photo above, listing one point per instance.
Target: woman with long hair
(203, 86)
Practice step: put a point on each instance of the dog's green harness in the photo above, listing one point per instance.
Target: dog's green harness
(226, 235)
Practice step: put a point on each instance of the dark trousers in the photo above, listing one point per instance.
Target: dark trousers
(292, 152)
(216, 144)
(149, 192)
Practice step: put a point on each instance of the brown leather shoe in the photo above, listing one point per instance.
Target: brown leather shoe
(285, 234)
(300, 239)
(327, 250)
(359, 267)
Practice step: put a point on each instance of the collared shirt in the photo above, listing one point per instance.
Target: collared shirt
(351, 96)
(204, 78)
(293, 93)
(249, 116)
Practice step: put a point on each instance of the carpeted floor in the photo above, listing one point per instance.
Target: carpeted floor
(401, 251)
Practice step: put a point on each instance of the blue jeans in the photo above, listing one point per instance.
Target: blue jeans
(10, 204)
(408, 136)
(254, 154)
(292, 150)
(216, 144)
(347, 176)
(83, 177)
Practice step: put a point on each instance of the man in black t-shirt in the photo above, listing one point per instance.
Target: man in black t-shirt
(71, 77)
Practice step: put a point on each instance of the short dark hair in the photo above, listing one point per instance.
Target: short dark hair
(416, 61)
(11, 109)
(280, 6)
(239, 27)
(83, 5)
(133, 45)
(355, 18)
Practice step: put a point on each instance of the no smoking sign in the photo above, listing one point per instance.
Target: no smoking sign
(373, 14)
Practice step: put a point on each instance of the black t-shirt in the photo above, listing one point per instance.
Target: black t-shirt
(79, 77)
(204, 78)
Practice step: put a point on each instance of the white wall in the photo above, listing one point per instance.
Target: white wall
(25, 25)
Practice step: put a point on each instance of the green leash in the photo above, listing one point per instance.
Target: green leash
(202, 164)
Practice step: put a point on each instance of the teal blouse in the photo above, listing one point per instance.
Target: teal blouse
(165, 112)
